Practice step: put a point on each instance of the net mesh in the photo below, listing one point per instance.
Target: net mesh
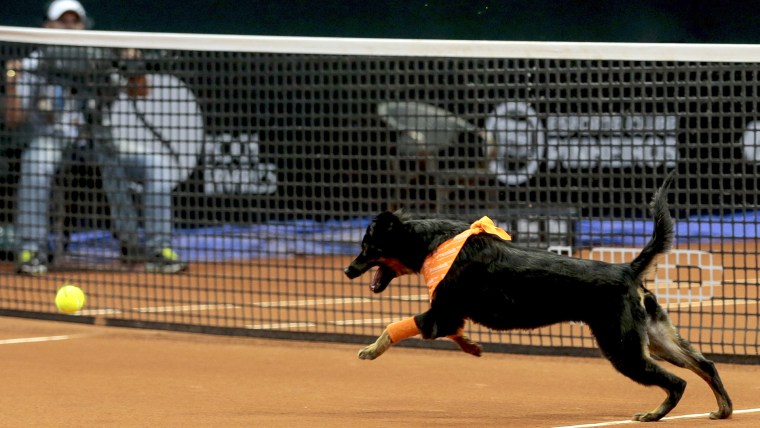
(261, 170)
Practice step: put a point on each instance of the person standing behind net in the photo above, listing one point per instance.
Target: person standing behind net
(61, 118)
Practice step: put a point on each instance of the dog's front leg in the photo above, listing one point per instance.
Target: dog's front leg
(395, 333)
(376, 349)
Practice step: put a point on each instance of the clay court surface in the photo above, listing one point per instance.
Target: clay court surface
(69, 374)
(65, 374)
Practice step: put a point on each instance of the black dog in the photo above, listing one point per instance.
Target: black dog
(501, 286)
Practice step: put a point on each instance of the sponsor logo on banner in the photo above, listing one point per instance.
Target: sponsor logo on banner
(751, 142)
(577, 141)
(233, 167)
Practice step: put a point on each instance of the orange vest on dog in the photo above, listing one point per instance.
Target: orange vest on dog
(437, 265)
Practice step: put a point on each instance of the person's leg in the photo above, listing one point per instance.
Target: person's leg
(116, 181)
(38, 166)
(157, 203)
(158, 183)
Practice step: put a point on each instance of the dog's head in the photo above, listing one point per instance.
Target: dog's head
(383, 247)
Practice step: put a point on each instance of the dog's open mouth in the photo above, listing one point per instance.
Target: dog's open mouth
(383, 276)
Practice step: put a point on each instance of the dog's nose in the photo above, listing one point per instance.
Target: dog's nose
(351, 272)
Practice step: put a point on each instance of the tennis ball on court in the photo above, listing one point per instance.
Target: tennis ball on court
(70, 298)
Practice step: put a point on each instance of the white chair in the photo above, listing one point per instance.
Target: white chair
(441, 157)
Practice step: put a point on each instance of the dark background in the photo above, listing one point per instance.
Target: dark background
(697, 21)
(318, 145)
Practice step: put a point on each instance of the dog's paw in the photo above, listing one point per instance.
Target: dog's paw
(376, 349)
(473, 348)
(468, 346)
(647, 417)
(721, 414)
(368, 353)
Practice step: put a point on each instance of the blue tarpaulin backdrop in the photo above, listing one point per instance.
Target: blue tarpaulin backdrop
(636, 233)
(307, 237)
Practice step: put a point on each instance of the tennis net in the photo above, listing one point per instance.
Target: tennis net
(277, 152)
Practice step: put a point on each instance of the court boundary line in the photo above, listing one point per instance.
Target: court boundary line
(673, 306)
(312, 302)
(365, 321)
(742, 281)
(23, 340)
(281, 326)
(667, 418)
(185, 308)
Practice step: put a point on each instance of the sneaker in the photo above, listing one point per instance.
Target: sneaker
(30, 263)
(132, 254)
(165, 261)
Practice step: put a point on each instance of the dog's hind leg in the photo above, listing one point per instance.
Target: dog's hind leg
(647, 372)
(467, 345)
(666, 343)
(628, 356)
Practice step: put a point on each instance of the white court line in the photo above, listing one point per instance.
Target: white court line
(711, 303)
(184, 308)
(367, 321)
(667, 418)
(345, 301)
(280, 326)
(34, 339)
(312, 302)
(103, 311)
(214, 307)
(752, 281)
(411, 298)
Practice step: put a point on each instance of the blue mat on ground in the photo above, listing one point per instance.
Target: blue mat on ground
(342, 237)
(231, 242)
(636, 233)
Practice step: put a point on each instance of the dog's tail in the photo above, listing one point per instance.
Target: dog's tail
(662, 237)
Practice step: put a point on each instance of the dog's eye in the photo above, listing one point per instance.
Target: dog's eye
(371, 251)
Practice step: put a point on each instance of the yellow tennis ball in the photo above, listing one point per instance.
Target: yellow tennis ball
(69, 299)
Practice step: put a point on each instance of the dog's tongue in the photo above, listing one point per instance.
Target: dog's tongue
(383, 276)
(376, 279)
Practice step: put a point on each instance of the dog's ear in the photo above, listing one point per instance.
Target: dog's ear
(387, 222)
(402, 215)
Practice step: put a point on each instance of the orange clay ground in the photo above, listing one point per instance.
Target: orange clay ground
(64, 374)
